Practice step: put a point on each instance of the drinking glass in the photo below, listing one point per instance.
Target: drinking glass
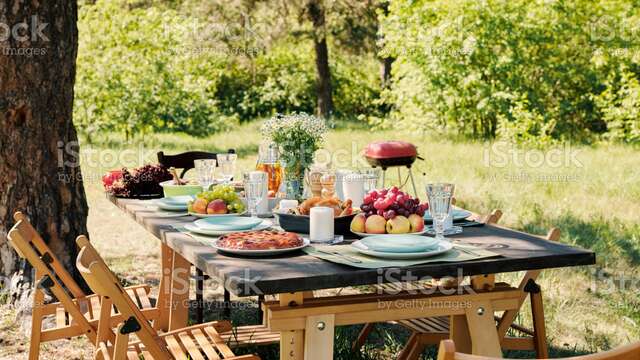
(254, 189)
(371, 178)
(205, 171)
(439, 196)
(227, 164)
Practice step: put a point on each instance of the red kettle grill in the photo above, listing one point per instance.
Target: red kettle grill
(386, 154)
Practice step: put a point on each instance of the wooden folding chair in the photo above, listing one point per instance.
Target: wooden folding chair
(430, 331)
(185, 161)
(196, 342)
(75, 312)
(447, 351)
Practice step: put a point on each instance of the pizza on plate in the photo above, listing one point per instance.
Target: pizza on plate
(260, 240)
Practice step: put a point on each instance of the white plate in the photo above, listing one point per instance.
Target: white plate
(443, 246)
(255, 253)
(202, 216)
(195, 229)
(174, 203)
(458, 214)
(367, 234)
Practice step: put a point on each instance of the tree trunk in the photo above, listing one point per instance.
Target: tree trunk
(39, 162)
(385, 71)
(315, 10)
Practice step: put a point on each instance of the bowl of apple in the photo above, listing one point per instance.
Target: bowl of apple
(221, 200)
(389, 211)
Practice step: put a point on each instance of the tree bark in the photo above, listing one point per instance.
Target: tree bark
(316, 13)
(39, 162)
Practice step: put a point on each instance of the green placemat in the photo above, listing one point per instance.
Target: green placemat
(346, 255)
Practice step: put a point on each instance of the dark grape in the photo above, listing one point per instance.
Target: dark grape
(380, 212)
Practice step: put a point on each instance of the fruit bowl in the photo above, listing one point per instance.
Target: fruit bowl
(300, 223)
(171, 189)
(222, 200)
(389, 211)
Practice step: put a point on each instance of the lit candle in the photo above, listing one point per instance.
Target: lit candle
(321, 224)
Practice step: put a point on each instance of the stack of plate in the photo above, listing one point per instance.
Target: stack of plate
(217, 226)
(174, 203)
(401, 247)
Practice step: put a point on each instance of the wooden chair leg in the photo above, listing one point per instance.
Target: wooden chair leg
(199, 296)
(362, 336)
(36, 322)
(408, 348)
(539, 331)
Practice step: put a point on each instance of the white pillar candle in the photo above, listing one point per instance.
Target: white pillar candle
(287, 204)
(263, 205)
(321, 224)
(353, 188)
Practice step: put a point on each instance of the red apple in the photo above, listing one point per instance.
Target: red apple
(398, 225)
(217, 206)
(375, 224)
(199, 206)
(358, 223)
(417, 222)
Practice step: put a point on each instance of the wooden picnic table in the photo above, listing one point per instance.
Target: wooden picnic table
(306, 322)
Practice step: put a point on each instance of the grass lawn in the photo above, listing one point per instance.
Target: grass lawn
(591, 193)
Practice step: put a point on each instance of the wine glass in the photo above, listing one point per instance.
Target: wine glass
(254, 190)
(205, 171)
(227, 164)
(439, 196)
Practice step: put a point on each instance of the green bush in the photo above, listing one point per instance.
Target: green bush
(146, 67)
(133, 77)
(515, 69)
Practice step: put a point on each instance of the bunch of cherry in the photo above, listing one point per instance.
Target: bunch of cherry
(391, 202)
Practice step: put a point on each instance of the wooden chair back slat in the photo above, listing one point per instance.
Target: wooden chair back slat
(185, 160)
(447, 351)
(104, 283)
(21, 237)
(29, 235)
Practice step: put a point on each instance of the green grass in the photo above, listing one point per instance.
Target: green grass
(596, 206)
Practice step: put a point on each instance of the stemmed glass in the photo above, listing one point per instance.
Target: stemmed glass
(254, 189)
(205, 171)
(439, 196)
(227, 163)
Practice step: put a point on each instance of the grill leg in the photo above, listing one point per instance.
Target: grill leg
(413, 183)
(227, 304)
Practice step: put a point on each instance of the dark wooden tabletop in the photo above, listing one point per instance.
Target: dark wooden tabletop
(300, 272)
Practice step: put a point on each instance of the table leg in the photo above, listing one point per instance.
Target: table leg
(164, 292)
(459, 333)
(318, 337)
(291, 342)
(482, 330)
(179, 292)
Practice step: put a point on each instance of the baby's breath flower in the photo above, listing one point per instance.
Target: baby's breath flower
(298, 136)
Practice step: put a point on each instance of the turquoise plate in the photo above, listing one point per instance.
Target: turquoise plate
(398, 243)
(458, 214)
(228, 223)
